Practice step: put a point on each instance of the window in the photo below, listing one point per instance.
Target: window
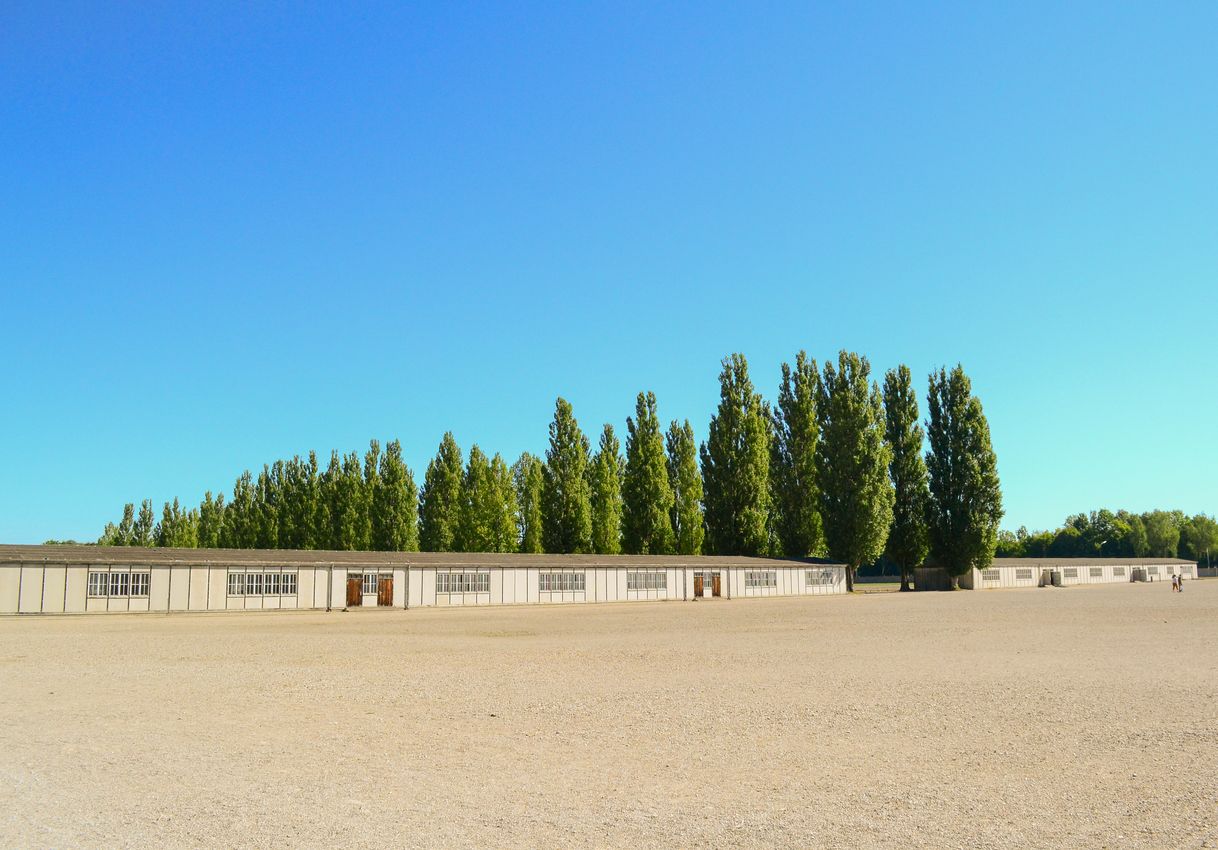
(371, 582)
(258, 584)
(647, 580)
(989, 575)
(98, 584)
(1152, 571)
(463, 582)
(139, 584)
(1097, 572)
(1070, 572)
(1023, 574)
(818, 577)
(761, 578)
(563, 581)
(118, 584)
(1117, 572)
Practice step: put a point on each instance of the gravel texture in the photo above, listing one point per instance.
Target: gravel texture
(1080, 717)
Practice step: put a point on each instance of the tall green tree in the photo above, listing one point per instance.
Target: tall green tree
(371, 482)
(395, 505)
(796, 495)
(502, 522)
(211, 521)
(852, 460)
(328, 485)
(566, 499)
(488, 506)
(965, 494)
(240, 529)
(348, 511)
(145, 523)
(647, 497)
(178, 529)
(121, 534)
(605, 482)
(1199, 538)
(440, 501)
(686, 482)
(736, 466)
(908, 538)
(527, 479)
(267, 496)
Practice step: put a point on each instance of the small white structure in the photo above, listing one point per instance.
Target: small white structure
(97, 579)
(1040, 572)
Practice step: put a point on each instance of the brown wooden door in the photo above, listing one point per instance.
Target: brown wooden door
(355, 591)
(384, 592)
(698, 584)
(715, 585)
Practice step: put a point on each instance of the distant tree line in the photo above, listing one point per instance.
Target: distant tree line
(837, 467)
(1157, 534)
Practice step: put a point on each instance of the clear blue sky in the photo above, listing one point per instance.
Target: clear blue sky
(232, 235)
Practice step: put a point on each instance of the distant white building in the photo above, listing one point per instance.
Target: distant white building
(97, 579)
(1040, 572)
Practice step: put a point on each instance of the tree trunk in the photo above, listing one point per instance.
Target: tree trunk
(905, 580)
(849, 579)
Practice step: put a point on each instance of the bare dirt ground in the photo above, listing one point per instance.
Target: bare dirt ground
(1083, 717)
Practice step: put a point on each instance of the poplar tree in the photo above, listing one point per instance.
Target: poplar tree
(736, 466)
(965, 495)
(686, 483)
(503, 518)
(126, 527)
(440, 501)
(566, 506)
(144, 525)
(347, 511)
(798, 529)
(605, 481)
(908, 544)
(240, 529)
(852, 464)
(647, 497)
(395, 505)
(478, 495)
(267, 495)
(527, 481)
(327, 496)
(211, 521)
(371, 482)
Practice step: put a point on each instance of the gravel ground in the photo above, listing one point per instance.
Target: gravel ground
(1080, 717)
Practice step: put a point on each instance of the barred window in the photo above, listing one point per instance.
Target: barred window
(371, 582)
(119, 582)
(1023, 574)
(479, 582)
(818, 577)
(99, 583)
(573, 581)
(1070, 572)
(1118, 572)
(259, 584)
(1097, 572)
(236, 584)
(288, 584)
(761, 578)
(647, 580)
(989, 575)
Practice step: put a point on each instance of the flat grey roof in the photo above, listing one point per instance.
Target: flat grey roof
(55, 554)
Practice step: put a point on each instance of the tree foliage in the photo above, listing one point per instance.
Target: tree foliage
(736, 466)
(566, 503)
(395, 504)
(908, 541)
(646, 490)
(440, 501)
(965, 495)
(527, 479)
(796, 517)
(852, 459)
(686, 481)
(605, 483)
